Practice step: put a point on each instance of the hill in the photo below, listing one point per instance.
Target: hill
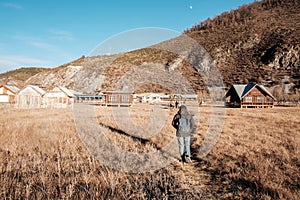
(256, 43)
(19, 76)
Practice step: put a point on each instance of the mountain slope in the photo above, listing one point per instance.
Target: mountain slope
(19, 76)
(257, 43)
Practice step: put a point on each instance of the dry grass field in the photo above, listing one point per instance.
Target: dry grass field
(256, 157)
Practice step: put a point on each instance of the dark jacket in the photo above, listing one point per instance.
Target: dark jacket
(175, 123)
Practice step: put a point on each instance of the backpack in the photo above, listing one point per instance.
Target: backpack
(184, 125)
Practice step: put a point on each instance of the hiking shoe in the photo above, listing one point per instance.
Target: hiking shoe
(188, 159)
(183, 160)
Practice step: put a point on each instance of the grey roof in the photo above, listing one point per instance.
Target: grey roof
(14, 89)
(244, 89)
(187, 96)
(38, 89)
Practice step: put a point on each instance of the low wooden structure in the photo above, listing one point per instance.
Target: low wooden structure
(249, 95)
(59, 97)
(8, 93)
(90, 98)
(31, 96)
(186, 97)
(166, 97)
(118, 98)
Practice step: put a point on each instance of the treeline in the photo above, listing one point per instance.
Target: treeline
(242, 15)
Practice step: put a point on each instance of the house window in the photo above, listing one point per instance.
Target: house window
(248, 99)
(125, 98)
(260, 99)
(112, 98)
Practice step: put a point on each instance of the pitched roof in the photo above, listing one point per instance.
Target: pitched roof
(244, 89)
(13, 89)
(37, 89)
(264, 89)
(66, 91)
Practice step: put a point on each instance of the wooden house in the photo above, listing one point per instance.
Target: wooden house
(31, 96)
(59, 96)
(186, 97)
(90, 98)
(250, 95)
(118, 98)
(8, 93)
(166, 97)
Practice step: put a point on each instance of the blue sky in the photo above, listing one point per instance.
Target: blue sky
(48, 33)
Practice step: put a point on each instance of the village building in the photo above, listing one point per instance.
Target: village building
(158, 98)
(118, 98)
(139, 98)
(153, 98)
(186, 97)
(8, 93)
(249, 95)
(145, 97)
(90, 98)
(31, 96)
(59, 97)
(166, 97)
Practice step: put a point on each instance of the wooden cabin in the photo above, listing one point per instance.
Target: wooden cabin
(118, 98)
(249, 95)
(186, 97)
(59, 96)
(151, 98)
(90, 98)
(166, 97)
(31, 96)
(8, 93)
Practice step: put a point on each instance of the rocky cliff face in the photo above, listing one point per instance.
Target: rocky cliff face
(83, 75)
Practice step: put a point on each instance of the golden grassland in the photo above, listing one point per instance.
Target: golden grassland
(256, 157)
